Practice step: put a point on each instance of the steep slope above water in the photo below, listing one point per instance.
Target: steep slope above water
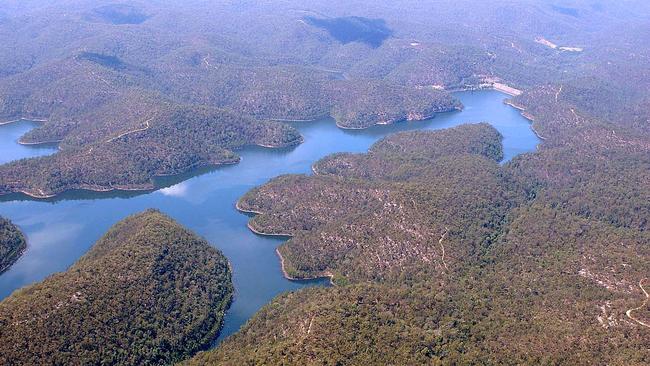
(148, 292)
(12, 244)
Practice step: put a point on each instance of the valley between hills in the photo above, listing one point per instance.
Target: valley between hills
(438, 250)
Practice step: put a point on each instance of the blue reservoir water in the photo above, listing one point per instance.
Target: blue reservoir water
(61, 230)
(11, 150)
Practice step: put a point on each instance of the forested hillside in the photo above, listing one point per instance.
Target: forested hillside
(458, 263)
(12, 244)
(439, 252)
(148, 292)
(384, 227)
(173, 140)
(95, 70)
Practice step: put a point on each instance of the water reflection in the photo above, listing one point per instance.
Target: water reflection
(178, 190)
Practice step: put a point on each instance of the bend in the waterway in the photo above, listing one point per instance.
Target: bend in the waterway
(62, 229)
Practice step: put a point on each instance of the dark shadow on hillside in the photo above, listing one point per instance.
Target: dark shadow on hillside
(111, 62)
(372, 32)
(572, 12)
(118, 14)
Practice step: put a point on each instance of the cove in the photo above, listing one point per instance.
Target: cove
(11, 150)
(61, 230)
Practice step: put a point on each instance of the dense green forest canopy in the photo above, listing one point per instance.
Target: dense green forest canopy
(12, 244)
(79, 64)
(148, 292)
(381, 221)
(440, 255)
(463, 263)
(173, 140)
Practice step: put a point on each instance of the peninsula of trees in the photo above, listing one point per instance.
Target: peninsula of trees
(12, 244)
(441, 255)
(148, 292)
(172, 140)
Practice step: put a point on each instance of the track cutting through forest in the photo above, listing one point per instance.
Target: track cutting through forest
(146, 127)
(645, 304)
(442, 246)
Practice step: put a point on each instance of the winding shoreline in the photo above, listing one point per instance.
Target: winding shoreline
(18, 256)
(283, 146)
(298, 120)
(141, 187)
(38, 120)
(277, 250)
(102, 189)
(496, 86)
(24, 143)
(527, 116)
(251, 228)
(290, 278)
(151, 186)
(387, 123)
(243, 210)
(399, 120)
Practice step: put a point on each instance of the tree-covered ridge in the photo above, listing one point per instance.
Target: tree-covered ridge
(433, 211)
(12, 244)
(610, 186)
(541, 295)
(427, 324)
(80, 64)
(449, 52)
(590, 165)
(93, 98)
(402, 157)
(173, 140)
(148, 292)
(556, 275)
(570, 282)
(364, 103)
(72, 88)
(354, 325)
(553, 289)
